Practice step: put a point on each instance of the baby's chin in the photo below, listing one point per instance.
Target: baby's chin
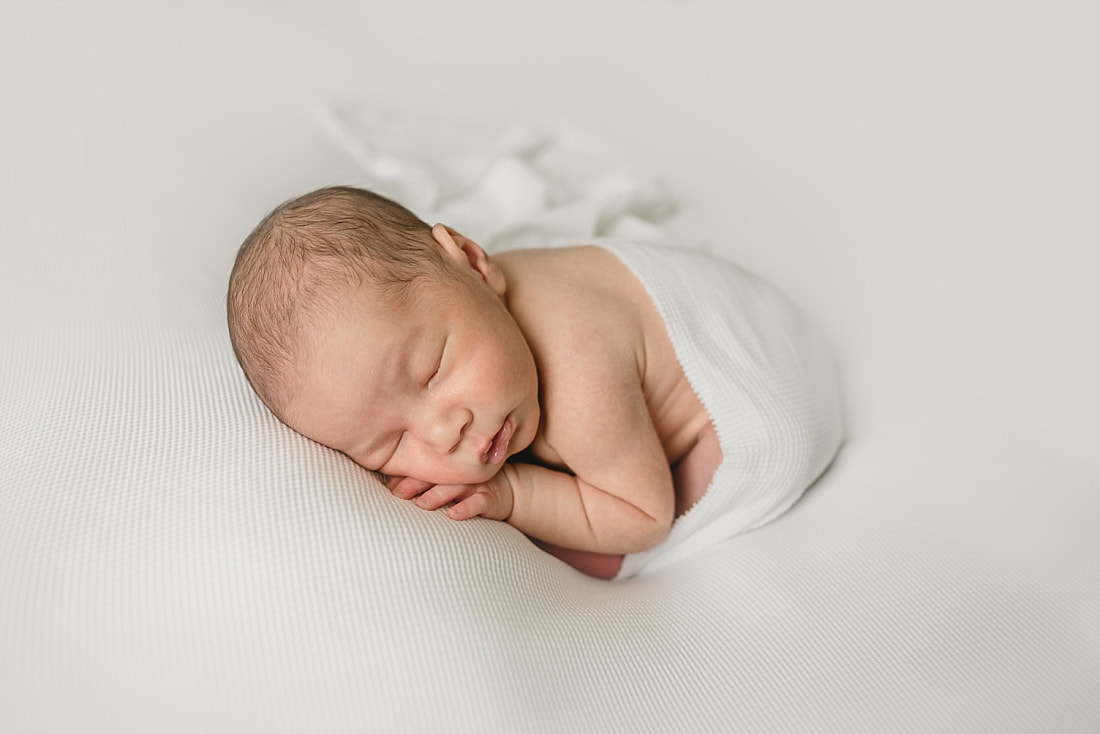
(466, 474)
(467, 477)
(483, 476)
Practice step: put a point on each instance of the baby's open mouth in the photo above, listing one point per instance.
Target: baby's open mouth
(498, 447)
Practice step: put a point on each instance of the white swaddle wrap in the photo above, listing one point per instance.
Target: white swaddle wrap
(764, 377)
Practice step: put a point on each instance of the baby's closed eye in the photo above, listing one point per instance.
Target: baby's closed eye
(438, 365)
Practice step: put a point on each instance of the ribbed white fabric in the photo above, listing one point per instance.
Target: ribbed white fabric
(172, 559)
(765, 378)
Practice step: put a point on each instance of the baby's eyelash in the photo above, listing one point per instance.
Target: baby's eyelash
(433, 374)
(439, 365)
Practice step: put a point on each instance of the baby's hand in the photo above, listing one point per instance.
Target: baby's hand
(405, 487)
(492, 499)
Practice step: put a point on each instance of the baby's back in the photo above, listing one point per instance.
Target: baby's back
(737, 382)
(585, 301)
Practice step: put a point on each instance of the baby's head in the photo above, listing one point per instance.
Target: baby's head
(367, 330)
(299, 260)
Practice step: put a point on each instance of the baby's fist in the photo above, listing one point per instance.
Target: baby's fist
(492, 500)
(405, 487)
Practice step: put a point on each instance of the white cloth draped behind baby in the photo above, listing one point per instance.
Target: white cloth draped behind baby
(522, 186)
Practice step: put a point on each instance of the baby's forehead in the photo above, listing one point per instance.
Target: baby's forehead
(383, 315)
(350, 360)
(349, 311)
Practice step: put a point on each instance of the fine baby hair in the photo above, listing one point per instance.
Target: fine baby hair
(301, 254)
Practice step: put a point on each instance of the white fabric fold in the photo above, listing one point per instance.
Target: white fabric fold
(520, 186)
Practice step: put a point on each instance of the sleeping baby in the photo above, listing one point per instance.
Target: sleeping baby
(623, 405)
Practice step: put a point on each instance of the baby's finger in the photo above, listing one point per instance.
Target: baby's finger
(471, 506)
(406, 487)
(441, 494)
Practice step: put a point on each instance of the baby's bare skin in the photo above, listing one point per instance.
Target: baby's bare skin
(685, 431)
(558, 354)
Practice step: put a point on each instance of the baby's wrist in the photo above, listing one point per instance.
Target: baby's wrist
(508, 480)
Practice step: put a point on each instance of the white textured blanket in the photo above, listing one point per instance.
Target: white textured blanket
(172, 559)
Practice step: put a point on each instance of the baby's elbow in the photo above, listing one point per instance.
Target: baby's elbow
(651, 529)
(653, 537)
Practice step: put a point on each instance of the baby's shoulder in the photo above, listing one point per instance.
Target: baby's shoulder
(583, 284)
(579, 309)
(580, 298)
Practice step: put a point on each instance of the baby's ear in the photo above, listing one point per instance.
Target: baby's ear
(468, 253)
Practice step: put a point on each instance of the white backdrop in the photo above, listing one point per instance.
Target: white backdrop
(923, 178)
(939, 161)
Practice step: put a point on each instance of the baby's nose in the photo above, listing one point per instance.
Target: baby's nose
(448, 427)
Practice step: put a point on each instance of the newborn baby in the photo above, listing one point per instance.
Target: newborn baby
(541, 387)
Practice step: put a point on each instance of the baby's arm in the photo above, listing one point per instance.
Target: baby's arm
(568, 511)
(620, 497)
(587, 332)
